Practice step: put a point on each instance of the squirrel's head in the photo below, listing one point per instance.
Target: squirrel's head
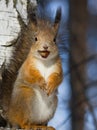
(44, 40)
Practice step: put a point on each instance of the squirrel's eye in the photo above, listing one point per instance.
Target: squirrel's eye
(36, 39)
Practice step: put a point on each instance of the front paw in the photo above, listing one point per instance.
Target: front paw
(50, 89)
(42, 84)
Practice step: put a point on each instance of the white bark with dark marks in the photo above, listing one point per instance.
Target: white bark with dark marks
(10, 26)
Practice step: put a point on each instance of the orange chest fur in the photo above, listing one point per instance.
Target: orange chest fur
(32, 69)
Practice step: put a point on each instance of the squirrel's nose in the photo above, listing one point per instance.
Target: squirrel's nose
(45, 47)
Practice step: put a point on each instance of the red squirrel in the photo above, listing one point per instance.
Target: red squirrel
(33, 99)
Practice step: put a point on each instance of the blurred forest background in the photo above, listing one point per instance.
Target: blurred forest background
(77, 42)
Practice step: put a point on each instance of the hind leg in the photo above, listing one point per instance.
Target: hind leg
(37, 127)
(21, 107)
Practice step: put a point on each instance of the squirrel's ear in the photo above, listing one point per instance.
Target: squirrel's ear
(57, 18)
(32, 16)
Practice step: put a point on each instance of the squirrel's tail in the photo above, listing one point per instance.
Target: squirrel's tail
(3, 122)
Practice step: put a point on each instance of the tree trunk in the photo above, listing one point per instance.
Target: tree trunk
(11, 14)
(78, 52)
(13, 17)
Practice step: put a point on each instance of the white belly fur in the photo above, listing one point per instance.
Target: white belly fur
(45, 106)
(46, 69)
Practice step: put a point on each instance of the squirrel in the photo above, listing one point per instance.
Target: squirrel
(33, 99)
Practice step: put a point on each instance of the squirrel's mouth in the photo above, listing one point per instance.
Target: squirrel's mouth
(44, 53)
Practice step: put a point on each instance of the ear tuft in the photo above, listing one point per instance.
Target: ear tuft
(58, 16)
(32, 14)
(57, 19)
